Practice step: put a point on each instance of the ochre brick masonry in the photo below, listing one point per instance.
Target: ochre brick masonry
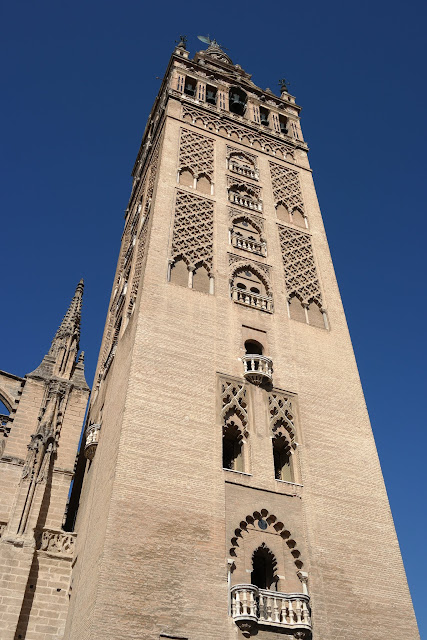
(218, 492)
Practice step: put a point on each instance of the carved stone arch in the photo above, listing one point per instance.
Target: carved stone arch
(263, 520)
(255, 269)
(240, 424)
(282, 416)
(285, 431)
(186, 177)
(252, 220)
(7, 399)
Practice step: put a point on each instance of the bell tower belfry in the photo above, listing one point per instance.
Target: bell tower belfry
(228, 484)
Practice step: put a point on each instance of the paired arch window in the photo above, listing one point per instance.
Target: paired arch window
(295, 216)
(195, 278)
(201, 182)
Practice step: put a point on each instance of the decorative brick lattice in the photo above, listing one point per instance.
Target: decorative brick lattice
(234, 400)
(286, 187)
(300, 268)
(282, 416)
(127, 256)
(193, 230)
(246, 135)
(196, 153)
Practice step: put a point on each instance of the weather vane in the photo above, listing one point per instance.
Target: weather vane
(208, 40)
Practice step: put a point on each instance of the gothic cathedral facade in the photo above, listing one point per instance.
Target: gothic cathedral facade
(228, 484)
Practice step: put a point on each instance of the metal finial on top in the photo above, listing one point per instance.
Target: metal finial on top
(182, 42)
(284, 84)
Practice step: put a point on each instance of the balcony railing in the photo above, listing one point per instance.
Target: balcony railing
(249, 604)
(254, 300)
(243, 170)
(257, 369)
(244, 201)
(92, 439)
(254, 246)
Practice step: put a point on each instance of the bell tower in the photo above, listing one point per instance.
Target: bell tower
(228, 484)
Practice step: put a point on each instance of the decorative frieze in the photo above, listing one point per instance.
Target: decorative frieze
(244, 133)
(57, 542)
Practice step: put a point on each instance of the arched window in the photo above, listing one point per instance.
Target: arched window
(245, 197)
(296, 310)
(211, 94)
(179, 273)
(232, 447)
(253, 347)
(186, 178)
(237, 101)
(190, 87)
(298, 218)
(282, 212)
(250, 281)
(201, 279)
(282, 459)
(204, 184)
(263, 569)
(245, 236)
(243, 164)
(315, 315)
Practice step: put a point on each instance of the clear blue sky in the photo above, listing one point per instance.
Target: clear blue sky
(78, 83)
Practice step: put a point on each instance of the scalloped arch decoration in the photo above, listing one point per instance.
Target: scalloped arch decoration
(274, 526)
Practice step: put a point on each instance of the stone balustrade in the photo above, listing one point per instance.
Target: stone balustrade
(257, 368)
(254, 300)
(244, 201)
(243, 170)
(254, 246)
(57, 542)
(249, 604)
(92, 439)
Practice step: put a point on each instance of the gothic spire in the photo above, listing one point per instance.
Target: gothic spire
(70, 325)
(60, 361)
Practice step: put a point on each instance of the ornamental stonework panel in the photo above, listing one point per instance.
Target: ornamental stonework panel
(286, 187)
(300, 269)
(242, 133)
(192, 238)
(196, 153)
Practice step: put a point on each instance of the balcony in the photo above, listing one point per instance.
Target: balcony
(244, 201)
(92, 439)
(258, 369)
(254, 246)
(251, 606)
(254, 300)
(243, 169)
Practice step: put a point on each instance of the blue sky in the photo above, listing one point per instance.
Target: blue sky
(80, 79)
